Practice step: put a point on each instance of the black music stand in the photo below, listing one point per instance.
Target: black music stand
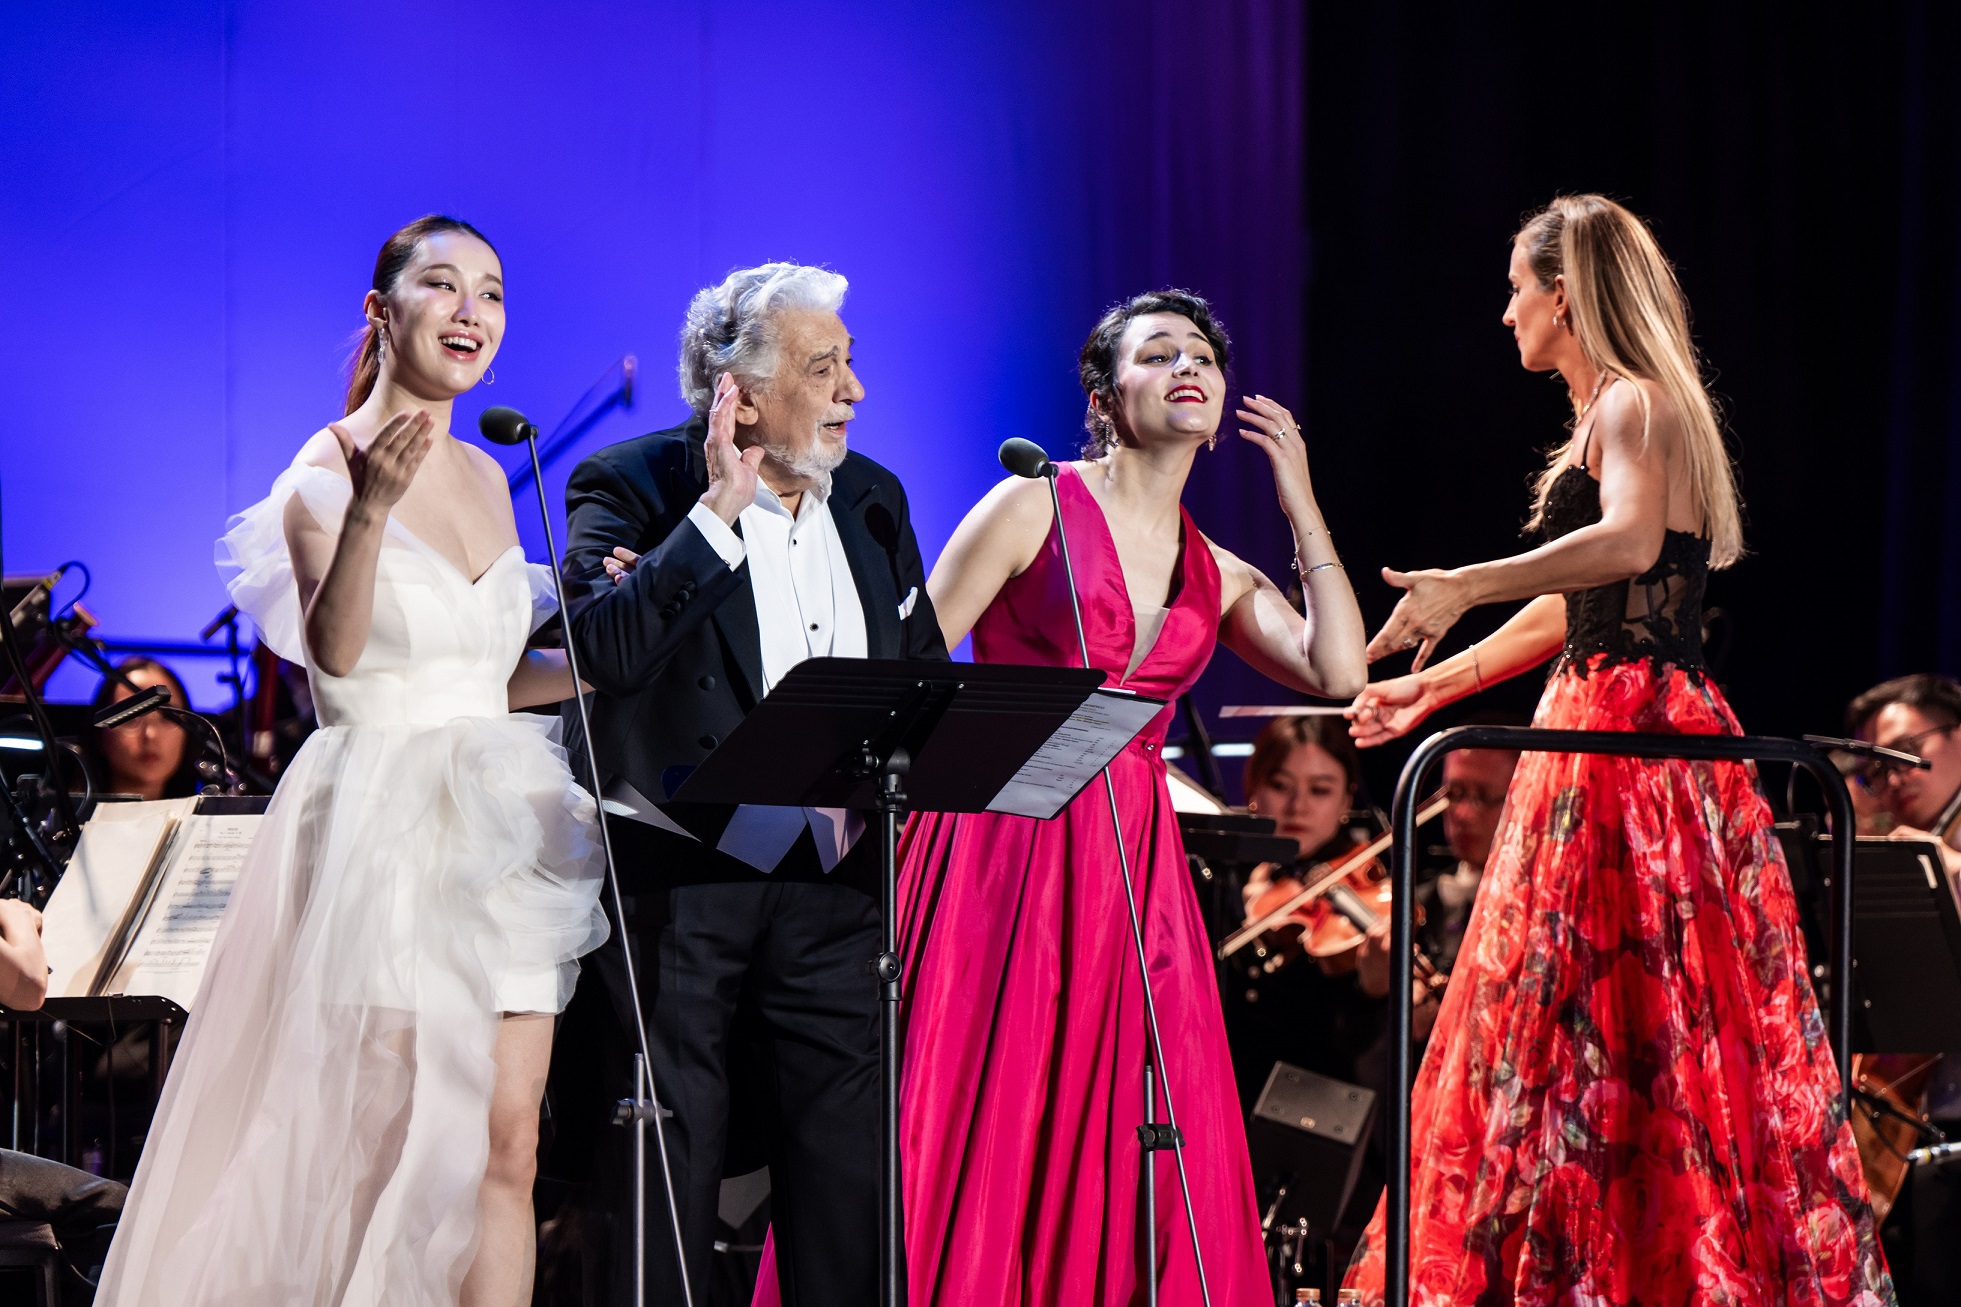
(1906, 948)
(888, 736)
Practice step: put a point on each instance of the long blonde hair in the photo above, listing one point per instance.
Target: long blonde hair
(1631, 320)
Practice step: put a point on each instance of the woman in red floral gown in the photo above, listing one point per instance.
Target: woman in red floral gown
(1628, 1098)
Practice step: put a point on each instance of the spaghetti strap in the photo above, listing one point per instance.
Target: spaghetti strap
(1586, 442)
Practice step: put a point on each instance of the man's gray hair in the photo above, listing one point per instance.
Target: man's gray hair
(729, 327)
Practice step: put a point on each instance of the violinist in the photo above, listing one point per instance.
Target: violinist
(1310, 1012)
(1921, 715)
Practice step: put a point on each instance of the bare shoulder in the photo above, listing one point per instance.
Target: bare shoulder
(1017, 508)
(486, 469)
(1637, 417)
(1004, 532)
(322, 450)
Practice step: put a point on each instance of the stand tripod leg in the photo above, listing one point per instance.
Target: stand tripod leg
(1147, 1136)
(1167, 1136)
(891, 1234)
(1155, 1054)
(639, 1180)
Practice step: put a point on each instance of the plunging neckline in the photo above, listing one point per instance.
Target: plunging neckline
(450, 563)
(1133, 662)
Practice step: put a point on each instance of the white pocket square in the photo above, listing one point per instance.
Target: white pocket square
(911, 601)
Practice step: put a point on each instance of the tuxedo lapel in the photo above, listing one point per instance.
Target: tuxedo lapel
(871, 570)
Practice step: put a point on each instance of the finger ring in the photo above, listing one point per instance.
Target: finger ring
(1412, 642)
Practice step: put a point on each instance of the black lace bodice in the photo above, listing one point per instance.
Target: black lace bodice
(1656, 616)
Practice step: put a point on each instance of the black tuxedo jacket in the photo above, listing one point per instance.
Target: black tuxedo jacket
(674, 650)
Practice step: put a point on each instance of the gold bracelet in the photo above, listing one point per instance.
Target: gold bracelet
(1477, 673)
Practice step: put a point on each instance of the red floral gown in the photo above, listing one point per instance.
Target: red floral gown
(1629, 1097)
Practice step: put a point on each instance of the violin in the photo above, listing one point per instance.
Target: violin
(1889, 1093)
(1325, 912)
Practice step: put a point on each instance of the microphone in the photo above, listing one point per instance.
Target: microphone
(1025, 458)
(505, 426)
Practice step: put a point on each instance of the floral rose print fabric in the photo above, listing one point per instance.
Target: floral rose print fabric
(1629, 1097)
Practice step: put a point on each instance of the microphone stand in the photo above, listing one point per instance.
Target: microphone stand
(507, 426)
(1153, 1136)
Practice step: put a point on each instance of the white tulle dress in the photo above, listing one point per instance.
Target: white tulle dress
(427, 864)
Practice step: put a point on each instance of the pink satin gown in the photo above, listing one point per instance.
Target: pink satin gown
(1024, 1020)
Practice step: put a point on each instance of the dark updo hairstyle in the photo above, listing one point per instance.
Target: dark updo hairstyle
(1097, 365)
(1285, 734)
(395, 254)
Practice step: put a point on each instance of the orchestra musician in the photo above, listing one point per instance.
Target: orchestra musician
(1918, 714)
(1288, 1006)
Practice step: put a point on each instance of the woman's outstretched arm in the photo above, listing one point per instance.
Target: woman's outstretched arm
(1630, 449)
(1392, 708)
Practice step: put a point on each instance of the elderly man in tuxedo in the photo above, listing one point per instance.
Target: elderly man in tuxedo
(707, 560)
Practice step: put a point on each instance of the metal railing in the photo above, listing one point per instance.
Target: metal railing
(1726, 748)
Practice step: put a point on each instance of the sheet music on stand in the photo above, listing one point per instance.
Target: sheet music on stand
(138, 908)
(1080, 748)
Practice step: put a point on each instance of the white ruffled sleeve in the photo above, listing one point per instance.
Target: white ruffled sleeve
(544, 598)
(256, 566)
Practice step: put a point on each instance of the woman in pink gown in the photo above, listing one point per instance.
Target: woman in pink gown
(1025, 1030)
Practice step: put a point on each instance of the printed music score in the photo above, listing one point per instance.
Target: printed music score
(139, 907)
(170, 949)
(1080, 748)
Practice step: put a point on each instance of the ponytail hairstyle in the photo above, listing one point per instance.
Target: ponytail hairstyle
(395, 254)
(1631, 320)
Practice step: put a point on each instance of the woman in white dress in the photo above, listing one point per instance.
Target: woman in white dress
(352, 1117)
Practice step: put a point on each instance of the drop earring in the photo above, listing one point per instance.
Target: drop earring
(490, 376)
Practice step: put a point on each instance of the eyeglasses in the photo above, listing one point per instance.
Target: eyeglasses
(1879, 773)
(1455, 794)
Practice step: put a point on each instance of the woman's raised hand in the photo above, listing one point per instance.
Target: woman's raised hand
(731, 472)
(1431, 604)
(381, 473)
(1390, 709)
(1273, 429)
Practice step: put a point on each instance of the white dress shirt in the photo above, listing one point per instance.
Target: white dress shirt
(806, 607)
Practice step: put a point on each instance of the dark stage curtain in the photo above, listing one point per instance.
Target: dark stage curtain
(1920, 558)
(1798, 163)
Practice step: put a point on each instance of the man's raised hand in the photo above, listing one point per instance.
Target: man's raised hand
(731, 472)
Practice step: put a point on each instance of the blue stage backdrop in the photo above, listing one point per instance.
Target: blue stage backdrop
(194, 193)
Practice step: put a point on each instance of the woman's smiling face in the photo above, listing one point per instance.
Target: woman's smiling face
(444, 317)
(1169, 382)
